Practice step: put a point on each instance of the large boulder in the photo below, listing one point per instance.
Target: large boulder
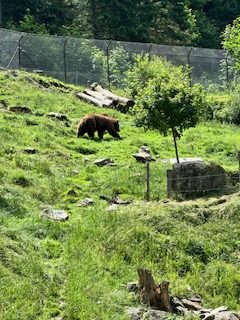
(196, 178)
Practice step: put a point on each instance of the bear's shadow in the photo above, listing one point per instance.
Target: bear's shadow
(96, 139)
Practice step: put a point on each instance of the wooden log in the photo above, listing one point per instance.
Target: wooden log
(99, 96)
(156, 296)
(108, 94)
(85, 97)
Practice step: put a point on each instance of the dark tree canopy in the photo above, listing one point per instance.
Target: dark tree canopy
(185, 22)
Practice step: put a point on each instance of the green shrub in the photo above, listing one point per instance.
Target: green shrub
(118, 63)
(224, 107)
(165, 101)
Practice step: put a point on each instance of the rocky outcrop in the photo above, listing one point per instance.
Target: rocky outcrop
(196, 178)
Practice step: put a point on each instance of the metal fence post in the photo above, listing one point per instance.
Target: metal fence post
(108, 66)
(148, 180)
(64, 59)
(1, 13)
(149, 50)
(189, 63)
(238, 157)
(19, 51)
(169, 185)
(227, 70)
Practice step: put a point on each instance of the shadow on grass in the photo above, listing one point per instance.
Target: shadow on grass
(11, 206)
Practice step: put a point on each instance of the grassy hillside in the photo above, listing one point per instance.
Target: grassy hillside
(78, 269)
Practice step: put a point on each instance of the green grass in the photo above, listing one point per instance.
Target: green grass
(79, 269)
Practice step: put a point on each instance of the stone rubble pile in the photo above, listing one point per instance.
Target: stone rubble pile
(182, 307)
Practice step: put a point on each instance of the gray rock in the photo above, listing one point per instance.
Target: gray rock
(57, 215)
(196, 178)
(153, 314)
(211, 315)
(86, 202)
(112, 207)
(143, 155)
(104, 162)
(135, 313)
(225, 315)
(195, 298)
(191, 305)
(219, 309)
(177, 302)
(75, 172)
(20, 109)
(132, 287)
(58, 116)
(207, 316)
(182, 310)
(144, 149)
(30, 150)
(206, 310)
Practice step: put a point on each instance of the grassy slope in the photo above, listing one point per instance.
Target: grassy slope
(79, 268)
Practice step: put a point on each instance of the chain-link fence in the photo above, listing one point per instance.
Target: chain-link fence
(82, 61)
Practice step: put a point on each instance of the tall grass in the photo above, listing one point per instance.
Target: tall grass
(79, 269)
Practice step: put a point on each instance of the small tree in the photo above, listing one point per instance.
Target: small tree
(168, 103)
(231, 41)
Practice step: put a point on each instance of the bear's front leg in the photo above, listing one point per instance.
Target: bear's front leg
(100, 134)
(91, 134)
(114, 133)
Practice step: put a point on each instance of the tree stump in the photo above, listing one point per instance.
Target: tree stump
(156, 296)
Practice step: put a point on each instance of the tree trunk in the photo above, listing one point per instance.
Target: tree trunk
(94, 19)
(175, 143)
(98, 95)
(89, 99)
(110, 95)
(153, 295)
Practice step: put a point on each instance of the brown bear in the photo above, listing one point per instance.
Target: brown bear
(100, 123)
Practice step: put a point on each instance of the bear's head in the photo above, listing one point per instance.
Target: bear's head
(81, 129)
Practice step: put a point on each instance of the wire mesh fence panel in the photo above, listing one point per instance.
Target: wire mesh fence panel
(83, 61)
(158, 181)
(130, 181)
(206, 65)
(86, 61)
(9, 48)
(202, 185)
(176, 54)
(121, 57)
(43, 52)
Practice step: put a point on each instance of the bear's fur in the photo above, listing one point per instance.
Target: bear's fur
(100, 123)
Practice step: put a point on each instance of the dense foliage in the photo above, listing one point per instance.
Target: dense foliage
(224, 106)
(231, 41)
(79, 269)
(195, 22)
